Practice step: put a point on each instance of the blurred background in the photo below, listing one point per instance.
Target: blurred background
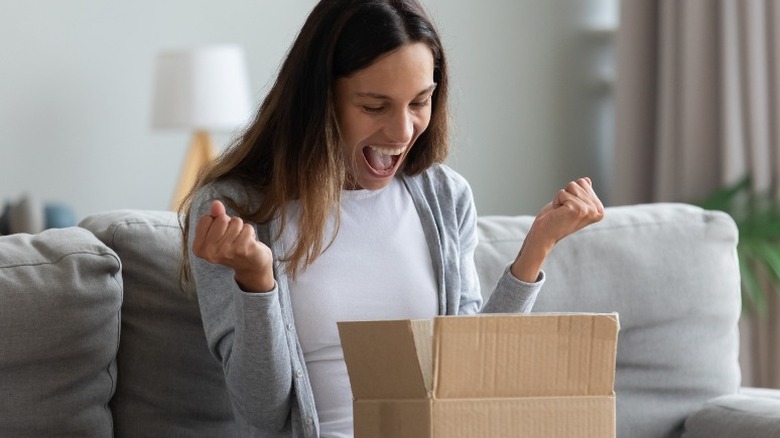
(78, 80)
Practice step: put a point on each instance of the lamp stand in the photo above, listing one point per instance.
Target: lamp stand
(199, 155)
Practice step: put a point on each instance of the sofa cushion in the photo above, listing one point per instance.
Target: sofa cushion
(736, 415)
(670, 271)
(60, 299)
(169, 384)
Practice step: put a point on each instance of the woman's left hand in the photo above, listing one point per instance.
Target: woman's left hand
(574, 207)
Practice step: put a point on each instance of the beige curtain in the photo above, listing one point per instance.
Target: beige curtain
(698, 107)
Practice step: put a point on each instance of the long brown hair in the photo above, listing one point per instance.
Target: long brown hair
(292, 149)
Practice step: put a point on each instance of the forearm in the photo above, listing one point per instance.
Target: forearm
(530, 259)
(257, 366)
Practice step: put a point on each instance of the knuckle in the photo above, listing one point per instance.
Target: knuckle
(244, 250)
(266, 252)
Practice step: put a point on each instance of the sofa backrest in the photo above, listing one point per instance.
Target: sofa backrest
(671, 272)
(60, 299)
(169, 384)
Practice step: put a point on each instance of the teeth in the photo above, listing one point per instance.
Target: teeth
(388, 151)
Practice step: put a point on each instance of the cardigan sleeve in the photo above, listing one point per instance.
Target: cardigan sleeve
(245, 333)
(512, 295)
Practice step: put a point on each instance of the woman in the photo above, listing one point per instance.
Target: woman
(334, 205)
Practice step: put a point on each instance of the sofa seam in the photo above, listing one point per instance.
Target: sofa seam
(54, 262)
(738, 410)
(115, 381)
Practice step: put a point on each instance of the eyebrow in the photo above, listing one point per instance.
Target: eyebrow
(384, 97)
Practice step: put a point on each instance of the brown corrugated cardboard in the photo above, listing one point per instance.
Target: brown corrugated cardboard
(534, 375)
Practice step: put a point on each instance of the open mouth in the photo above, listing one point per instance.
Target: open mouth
(383, 161)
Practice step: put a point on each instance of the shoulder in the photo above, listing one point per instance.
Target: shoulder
(446, 193)
(231, 191)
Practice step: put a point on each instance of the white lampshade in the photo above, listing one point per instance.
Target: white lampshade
(204, 89)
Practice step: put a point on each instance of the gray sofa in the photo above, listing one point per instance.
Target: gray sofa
(99, 339)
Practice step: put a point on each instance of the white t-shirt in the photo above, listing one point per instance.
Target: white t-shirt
(378, 267)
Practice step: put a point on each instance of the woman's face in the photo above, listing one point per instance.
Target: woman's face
(381, 111)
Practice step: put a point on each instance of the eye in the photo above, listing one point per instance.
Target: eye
(422, 104)
(372, 109)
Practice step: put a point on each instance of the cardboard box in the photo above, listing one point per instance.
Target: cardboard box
(529, 375)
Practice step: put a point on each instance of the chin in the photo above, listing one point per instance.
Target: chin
(374, 183)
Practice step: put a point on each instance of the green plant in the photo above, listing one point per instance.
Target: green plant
(757, 215)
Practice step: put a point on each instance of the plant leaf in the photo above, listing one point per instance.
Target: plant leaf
(769, 257)
(753, 296)
(722, 199)
(757, 215)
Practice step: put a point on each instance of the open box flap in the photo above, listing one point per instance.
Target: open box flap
(524, 355)
(388, 359)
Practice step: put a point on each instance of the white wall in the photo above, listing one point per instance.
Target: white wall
(76, 81)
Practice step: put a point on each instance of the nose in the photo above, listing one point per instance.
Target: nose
(400, 127)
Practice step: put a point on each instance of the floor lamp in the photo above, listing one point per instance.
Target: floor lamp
(203, 90)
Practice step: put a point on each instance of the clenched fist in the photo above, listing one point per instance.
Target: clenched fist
(574, 207)
(228, 241)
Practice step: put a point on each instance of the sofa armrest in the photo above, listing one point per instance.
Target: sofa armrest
(739, 415)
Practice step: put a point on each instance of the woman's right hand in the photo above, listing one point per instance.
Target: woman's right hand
(228, 241)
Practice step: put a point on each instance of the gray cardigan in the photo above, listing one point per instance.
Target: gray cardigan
(253, 334)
